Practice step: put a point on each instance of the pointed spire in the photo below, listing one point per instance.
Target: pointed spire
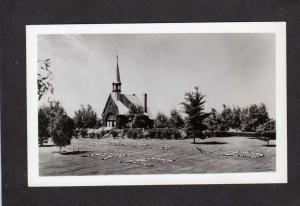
(118, 72)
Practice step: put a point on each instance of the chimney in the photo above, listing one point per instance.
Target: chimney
(145, 102)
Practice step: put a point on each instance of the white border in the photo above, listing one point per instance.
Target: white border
(280, 176)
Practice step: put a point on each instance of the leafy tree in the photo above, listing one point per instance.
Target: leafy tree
(259, 115)
(161, 120)
(212, 121)
(44, 78)
(245, 126)
(99, 123)
(85, 117)
(226, 117)
(236, 118)
(267, 131)
(60, 126)
(194, 108)
(175, 120)
(253, 116)
(43, 122)
(139, 119)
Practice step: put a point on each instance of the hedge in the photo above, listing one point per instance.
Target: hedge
(154, 133)
(271, 135)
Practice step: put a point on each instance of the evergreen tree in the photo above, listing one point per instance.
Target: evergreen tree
(194, 108)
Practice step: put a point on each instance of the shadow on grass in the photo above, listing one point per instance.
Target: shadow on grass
(48, 145)
(270, 145)
(210, 143)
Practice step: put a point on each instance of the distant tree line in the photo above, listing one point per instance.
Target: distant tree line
(252, 118)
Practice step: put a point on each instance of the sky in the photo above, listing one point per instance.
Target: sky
(232, 69)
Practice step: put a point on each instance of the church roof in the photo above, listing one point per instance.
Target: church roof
(133, 99)
(121, 107)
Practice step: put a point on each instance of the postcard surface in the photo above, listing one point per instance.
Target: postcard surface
(156, 104)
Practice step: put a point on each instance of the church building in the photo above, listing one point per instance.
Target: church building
(116, 113)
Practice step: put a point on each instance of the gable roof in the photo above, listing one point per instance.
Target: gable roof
(123, 103)
(121, 107)
(133, 99)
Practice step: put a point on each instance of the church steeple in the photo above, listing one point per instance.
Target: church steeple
(117, 84)
(118, 72)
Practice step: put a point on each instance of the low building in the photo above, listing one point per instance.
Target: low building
(116, 113)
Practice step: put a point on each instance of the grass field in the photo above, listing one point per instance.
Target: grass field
(157, 157)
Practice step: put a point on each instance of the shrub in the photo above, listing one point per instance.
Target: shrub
(138, 133)
(166, 133)
(150, 134)
(114, 133)
(124, 132)
(83, 132)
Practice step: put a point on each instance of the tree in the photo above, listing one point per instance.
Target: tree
(226, 118)
(212, 121)
(194, 108)
(175, 120)
(85, 117)
(60, 126)
(99, 123)
(44, 78)
(236, 118)
(267, 131)
(253, 116)
(43, 122)
(161, 120)
(139, 119)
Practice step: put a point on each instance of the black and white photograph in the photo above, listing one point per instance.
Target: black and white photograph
(156, 104)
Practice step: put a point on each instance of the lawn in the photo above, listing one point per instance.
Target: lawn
(153, 156)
